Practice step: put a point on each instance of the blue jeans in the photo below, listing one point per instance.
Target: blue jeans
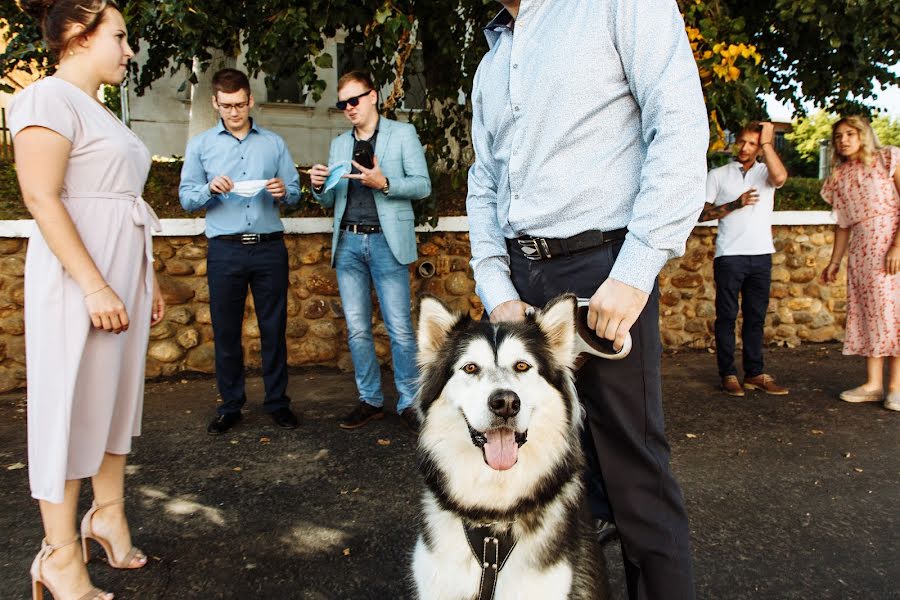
(360, 259)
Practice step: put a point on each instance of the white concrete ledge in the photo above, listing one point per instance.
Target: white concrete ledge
(190, 227)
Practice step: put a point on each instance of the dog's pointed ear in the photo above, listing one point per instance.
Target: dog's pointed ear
(435, 323)
(557, 321)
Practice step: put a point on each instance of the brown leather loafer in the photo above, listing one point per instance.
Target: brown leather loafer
(765, 383)
(731, 386)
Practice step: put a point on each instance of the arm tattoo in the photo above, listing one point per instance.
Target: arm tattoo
(711, 211)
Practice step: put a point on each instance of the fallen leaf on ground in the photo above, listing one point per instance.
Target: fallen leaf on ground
(816, 432)
(384, 442)
(857, 469)
(237, 469)
(846, 455)
(15, 467)
(691, 435)
(355, 490)
(346, 551)
(264, 440)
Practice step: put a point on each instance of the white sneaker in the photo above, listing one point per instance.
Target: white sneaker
(858, 394)
(892, 402)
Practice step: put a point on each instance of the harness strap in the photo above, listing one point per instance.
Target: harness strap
(491, 550)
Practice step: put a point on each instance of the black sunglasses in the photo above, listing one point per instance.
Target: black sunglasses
(354, 101)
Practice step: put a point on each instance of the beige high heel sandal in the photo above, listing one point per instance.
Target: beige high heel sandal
(38, 583)
(87, 533)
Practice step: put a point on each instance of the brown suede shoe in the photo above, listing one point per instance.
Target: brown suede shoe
(731, 386)
(765, 383)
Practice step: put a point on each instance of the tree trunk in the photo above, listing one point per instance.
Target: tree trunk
(203, 115)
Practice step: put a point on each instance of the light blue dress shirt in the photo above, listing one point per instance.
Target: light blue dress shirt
(586, 116)
(260, 155)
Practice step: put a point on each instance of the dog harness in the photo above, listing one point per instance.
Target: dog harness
(491, 550)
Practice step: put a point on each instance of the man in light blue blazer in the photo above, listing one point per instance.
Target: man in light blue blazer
(374, 239)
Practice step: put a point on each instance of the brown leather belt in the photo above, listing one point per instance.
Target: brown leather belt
(541, 248)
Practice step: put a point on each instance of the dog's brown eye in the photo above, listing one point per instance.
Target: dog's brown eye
(470, 368)
(521, 366)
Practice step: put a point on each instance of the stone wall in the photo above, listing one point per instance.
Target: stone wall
(799, 310)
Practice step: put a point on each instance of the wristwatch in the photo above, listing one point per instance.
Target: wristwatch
(387, 186)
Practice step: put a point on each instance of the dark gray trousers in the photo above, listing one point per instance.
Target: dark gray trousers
(625, 417)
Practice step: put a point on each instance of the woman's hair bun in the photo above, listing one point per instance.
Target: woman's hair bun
(38, 9)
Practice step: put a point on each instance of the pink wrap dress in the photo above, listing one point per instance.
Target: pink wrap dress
(86, 386)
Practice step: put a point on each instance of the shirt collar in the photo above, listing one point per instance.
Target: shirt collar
(502, 22)
(220, 127)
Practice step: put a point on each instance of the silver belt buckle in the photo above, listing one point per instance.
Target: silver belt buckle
(249, 238)
(534, 249)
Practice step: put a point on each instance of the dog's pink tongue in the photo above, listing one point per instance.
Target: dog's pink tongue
(501, 450)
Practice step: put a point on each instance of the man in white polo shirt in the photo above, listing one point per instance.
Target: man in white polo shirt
(741, 195)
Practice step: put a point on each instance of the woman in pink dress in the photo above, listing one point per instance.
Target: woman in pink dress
(864, 192)
(90, 291)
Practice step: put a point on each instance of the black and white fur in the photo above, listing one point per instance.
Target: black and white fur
(464, 363)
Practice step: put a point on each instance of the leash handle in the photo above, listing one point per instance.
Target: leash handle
(588, 342)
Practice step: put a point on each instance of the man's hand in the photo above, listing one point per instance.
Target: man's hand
(767, 135)
(275, 186)
(371, 178)
(613, 309)
(318, 174)
(749, 198)
(221, 184)
(511, 310)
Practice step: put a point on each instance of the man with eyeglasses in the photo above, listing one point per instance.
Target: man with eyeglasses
(374, 240)
(241, 174)
(590, 137)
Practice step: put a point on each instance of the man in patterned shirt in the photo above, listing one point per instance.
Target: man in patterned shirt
(590, 135)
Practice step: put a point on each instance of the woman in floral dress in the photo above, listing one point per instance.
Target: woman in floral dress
(863, 193)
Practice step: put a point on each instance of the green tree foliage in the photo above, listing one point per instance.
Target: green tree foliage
(824, 51)
(809, 131)
(887, 129)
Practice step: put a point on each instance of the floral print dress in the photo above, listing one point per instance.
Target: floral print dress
(865, 199)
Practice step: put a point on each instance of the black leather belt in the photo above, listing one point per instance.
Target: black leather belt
(251, 238)
(354, 228)
(540, 248)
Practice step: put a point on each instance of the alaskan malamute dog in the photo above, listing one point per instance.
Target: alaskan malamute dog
(504, 512)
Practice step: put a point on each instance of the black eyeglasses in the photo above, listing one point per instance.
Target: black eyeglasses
(354, 101)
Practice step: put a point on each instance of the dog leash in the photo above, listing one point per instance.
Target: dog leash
(491, 551)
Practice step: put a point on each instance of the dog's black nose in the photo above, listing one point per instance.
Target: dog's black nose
(504, 403)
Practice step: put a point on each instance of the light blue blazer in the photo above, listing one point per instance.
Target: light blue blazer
(402, 161)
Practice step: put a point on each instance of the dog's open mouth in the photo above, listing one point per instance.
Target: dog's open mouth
(500, 446)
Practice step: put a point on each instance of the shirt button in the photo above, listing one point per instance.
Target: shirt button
(516, 108)
(516, 66)
(516, 196)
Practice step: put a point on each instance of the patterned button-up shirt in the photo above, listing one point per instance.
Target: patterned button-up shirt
(587, 116)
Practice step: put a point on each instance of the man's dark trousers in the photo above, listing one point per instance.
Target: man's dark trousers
(747, 276)
(231, 268)
(624, 406)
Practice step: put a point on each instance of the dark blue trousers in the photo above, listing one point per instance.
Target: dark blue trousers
(746, 278)
(625, 438)
(232, 267)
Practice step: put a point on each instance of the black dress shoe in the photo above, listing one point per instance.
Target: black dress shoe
(359, 416)
(285, 419)
(223, 423)
(410, 419)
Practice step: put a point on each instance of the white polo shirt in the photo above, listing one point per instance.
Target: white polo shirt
(748, 230)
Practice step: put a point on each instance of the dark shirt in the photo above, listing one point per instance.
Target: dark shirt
(361, 209)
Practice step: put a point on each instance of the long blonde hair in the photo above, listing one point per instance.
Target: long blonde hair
(868, 141)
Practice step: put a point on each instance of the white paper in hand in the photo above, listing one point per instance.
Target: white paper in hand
(248, 188)
(336, 171)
